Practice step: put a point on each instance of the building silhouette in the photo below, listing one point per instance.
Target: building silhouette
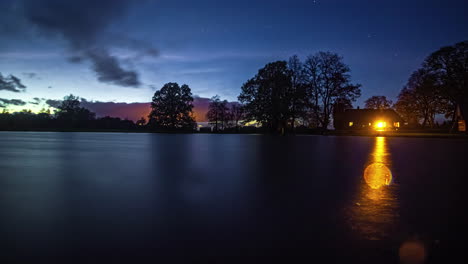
(367, 119)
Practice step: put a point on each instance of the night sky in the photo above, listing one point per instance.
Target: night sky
(122, 51)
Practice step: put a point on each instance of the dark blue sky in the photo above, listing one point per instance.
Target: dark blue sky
(214, 46)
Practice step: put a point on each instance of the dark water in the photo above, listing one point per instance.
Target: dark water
(239, 198)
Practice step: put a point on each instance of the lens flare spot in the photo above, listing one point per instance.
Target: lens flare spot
(377, 175)
(412, 252)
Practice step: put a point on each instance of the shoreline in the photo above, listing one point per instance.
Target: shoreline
(327, 133)
(404, 134)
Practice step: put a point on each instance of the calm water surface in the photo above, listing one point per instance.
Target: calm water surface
(124, 197)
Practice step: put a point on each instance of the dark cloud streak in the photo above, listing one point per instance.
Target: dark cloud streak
(11, 83)
(108, 70)
(7, 102)
(36, 101)
(31, 75)
(83, 24)
(53, 103)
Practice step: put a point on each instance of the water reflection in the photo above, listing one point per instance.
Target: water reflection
(374, 213)
(377, 174)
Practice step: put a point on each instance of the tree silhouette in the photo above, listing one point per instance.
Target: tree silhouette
(421, 99)
(449, 68)
(71, 115)
(407, 107)
(172, 108)
(141, 122)
(265, 97)
(218, 112)
(378, 102)
(69, 106)
(328, 80)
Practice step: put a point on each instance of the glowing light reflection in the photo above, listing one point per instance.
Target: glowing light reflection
(374, 212)
(377, 174)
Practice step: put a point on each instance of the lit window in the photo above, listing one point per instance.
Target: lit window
(396, 124)
(351, 124)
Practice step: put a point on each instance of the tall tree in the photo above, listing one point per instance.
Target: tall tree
(421, 99)
(378, 102)
(328, 80)
(218, 112)
(171, 108)
(427, 96)
(265, 97)
(449, 66)
(407, 107)
(70, 113)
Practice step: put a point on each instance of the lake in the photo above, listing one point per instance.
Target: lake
(238, 198)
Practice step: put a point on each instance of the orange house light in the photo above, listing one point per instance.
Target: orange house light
(380, 125)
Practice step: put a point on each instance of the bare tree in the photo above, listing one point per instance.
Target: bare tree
(328, 80)
(218, 113)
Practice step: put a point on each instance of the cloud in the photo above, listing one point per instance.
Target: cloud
(200, 71)
(31, 75)
(11, 83)
(36, 100)
(134, 111)
(75, 59)
(108, 69)
(27, 55)
(131, 111)
(53, 103)
(7, 102)
(84, 26)
(216, 56)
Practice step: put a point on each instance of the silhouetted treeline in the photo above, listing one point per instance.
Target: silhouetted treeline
(440, 86)
(283, 96)
(224, 116)
(287, 94)
(69, 116)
